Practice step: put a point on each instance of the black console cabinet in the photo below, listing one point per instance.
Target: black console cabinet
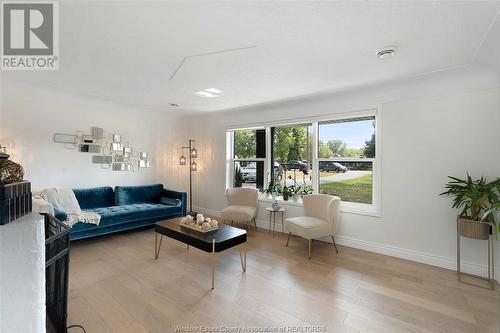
(56, 274)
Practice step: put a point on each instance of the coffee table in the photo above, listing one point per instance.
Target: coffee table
(213, 242)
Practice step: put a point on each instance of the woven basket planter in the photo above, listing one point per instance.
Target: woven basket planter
(473, 229)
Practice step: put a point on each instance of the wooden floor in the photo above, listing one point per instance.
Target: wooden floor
(116, 286)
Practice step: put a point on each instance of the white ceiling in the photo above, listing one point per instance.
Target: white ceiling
(128, 51)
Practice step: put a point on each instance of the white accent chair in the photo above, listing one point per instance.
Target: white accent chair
(320, 220)
(242, 205)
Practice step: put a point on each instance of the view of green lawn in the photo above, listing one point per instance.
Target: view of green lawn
(353, 190)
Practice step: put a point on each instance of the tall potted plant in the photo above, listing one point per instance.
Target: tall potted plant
(238, 177)
(475, 200)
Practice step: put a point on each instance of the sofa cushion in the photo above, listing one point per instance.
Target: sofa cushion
(129, 214)
(307, 227)
(126, 195)
(96, 197)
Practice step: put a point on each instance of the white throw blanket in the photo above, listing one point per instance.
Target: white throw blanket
(64, 199)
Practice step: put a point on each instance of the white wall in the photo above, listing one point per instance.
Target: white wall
(443, 124)
(30, 115)
(457, 113)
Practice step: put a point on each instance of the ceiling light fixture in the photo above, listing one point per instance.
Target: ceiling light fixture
(209, 92)
(387, 52)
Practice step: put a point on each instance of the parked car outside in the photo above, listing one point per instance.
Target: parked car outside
(297, 165)
(249, 171)
(332, 167)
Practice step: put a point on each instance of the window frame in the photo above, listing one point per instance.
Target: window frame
(231, 160)
(372, 209)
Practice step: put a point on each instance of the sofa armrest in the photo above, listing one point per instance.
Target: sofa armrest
(182, 196)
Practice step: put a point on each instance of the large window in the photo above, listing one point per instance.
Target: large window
(336, 156)
(346, 151)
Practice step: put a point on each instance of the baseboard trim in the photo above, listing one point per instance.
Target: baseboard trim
(393, 251)
(417, 256)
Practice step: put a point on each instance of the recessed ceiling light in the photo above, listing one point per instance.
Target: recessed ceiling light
(209, 92)
(387, 52)
(214, 91)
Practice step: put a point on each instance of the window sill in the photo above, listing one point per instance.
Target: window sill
(345, 207)
(281, 201)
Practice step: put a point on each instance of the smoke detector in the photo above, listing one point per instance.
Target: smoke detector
(387, 52)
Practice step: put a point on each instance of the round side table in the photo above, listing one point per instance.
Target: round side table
(272, 217)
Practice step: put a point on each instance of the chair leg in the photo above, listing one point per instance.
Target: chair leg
(310, 243)
(288, 239)
(335, 244)
(255, 223)
(232, 222)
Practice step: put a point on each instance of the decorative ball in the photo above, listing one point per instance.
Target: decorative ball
(208, 219)
(214, 223)
(205, 225)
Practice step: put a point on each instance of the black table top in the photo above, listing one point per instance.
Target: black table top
(225, 237)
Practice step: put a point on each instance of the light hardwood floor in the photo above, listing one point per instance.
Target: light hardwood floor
(116, 286)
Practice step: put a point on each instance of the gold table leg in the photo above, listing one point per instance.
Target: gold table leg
(310, 242)
(243, 259)
(213, 264)
(288, 239)
(270, 219)
(157, 245)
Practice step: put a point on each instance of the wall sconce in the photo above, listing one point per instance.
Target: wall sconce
(182, 160)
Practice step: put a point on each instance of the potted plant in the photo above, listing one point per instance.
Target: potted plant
(295, 191)
(238, 177)
(305, 190)
(270, 191)
(286, 192)
(491, 213)
(474, 199)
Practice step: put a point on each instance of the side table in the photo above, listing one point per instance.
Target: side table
(272, 217)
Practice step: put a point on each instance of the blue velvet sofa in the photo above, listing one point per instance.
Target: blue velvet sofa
(127, 207)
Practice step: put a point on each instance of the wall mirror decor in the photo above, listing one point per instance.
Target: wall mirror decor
(109, 149)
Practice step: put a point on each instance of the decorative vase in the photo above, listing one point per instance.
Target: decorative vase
(276, 205)
(10, 172)
(296, 198)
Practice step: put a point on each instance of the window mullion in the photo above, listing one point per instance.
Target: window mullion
(315, 163)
